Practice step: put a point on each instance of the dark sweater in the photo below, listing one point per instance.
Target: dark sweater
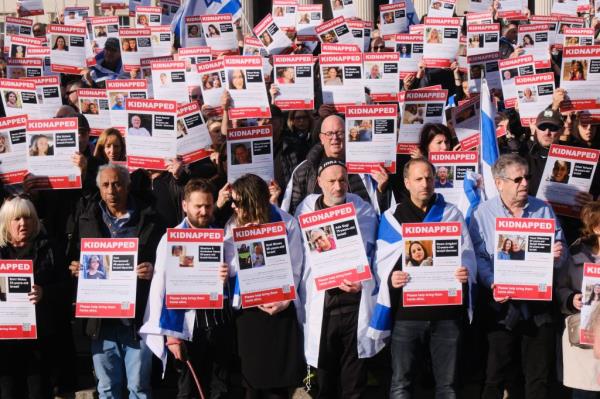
(407, 212)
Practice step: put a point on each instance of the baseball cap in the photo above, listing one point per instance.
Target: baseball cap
(549, 117)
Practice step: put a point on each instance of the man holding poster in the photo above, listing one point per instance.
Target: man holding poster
(416, 313)
(205, 335)
(114, 213)
(507, 319)
(337, 281)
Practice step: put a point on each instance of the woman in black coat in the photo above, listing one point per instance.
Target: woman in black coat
(25, 369)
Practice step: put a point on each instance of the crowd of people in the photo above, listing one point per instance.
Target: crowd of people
(506, 347)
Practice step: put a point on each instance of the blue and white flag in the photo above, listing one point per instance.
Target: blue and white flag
(202, 7)
(489, 144)
(411, 13)
(390, 249)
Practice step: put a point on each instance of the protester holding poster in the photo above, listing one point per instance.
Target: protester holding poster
(36, 278)
(51, 145)
(533, 39)
(13, 149)
(250, 150)
(441, 41)
(334, 225)
(335, 31)
(579, 74)
(465, 120)
(382, 74)
(578, 287)
(393, 18)
(410, 48)
(135, 45)
(293, 88)
(308, 17)
(212, 83)
(441, 8)
(151, 135)
(246, 86)
(168, 80)
(96, 220)
(510, 68)
(396, 258)
(69, 48)
(371, 138)
(18, 97)
(193, 139)
(418, 108)
(93, 104)
(107, 278)
(342, 79)
(271, 357)
(534, 94)
(451, 169)
(482, 39)
(219, 33)
(568, 172)
(117, 92)
(272, 36)
(511, 176)
(206, 336)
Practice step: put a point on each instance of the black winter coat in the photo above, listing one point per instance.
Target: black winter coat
(149, 230)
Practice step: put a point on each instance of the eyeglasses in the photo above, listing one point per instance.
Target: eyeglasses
(518, 180)
(338, 134)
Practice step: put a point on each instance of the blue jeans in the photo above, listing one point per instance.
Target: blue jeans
(408, 338)
(117, 355)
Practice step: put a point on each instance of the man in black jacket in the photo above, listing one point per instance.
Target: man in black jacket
(371, 188)
(114, 213)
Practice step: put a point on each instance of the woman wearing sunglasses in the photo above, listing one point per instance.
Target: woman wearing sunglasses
(268, 336)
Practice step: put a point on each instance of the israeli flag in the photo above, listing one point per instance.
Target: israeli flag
(411, 12)
(202, 7)
(488, 153)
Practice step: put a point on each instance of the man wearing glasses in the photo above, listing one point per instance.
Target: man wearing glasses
(372, 188)
(549, 127)
(517, 331)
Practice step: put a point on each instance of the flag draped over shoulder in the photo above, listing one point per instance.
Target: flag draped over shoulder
(202, 7)
(389, 250)
(489, 144)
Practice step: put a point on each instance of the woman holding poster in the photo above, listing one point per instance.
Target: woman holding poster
(32, 360)
(579, 364)
(268, 337)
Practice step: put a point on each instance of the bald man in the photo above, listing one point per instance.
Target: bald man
(372, 188)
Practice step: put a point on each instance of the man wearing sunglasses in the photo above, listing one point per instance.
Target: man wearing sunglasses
(548, 129)
(549, 126)
(515, 329)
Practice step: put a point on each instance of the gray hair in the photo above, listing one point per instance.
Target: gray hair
(17, 208)
(121, 171)
(505, 161)
(414, 161)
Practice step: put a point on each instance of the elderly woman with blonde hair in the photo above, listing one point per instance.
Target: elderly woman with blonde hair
(21, 237)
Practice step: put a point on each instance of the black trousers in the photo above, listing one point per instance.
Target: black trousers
(341, 374)
(24, 373)
(210, 354)
(528, 349)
